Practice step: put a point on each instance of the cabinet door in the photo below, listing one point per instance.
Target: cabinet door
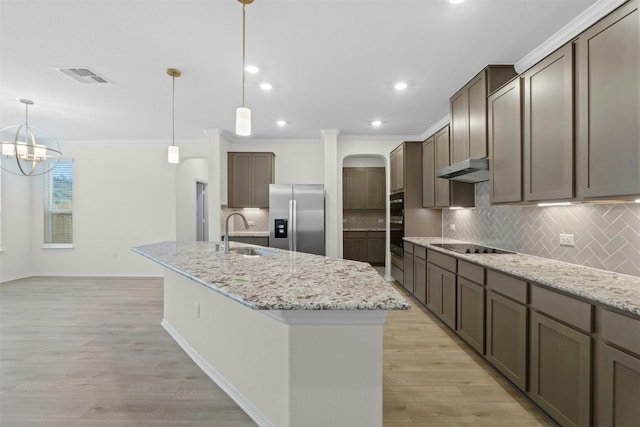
(471, 313)
(376, 249)
(400, 167)
(434, 288)
(262, 168)
(505, 144)
(617, 388)
(355, 249)
(420, 279)
(608, 115)
(448, 313)
(374, 188)
(561, 371)
(548, 127)
(506, 346)
(354, 196)
(239, 180)
(477, 104)
(428, 173)
(441, 140)
(459, 126)
(393, 172)
(408, 272)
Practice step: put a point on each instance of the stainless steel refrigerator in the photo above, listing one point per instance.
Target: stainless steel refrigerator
(296, 217)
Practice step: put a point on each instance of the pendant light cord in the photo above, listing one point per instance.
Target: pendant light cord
(243, 49)
(173, 111)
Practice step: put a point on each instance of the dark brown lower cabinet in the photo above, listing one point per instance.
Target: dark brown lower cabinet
(441, 294)
(420, 278)
(408, 267)
(397, 268)
(471, 313)
(376, 247)
(506, 340)
(617, 392)
(561, 371)
(355, 246)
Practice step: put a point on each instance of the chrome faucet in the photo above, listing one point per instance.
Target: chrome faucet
(226, 229)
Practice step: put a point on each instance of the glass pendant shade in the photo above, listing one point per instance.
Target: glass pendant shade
(173, 155)
(243, 121)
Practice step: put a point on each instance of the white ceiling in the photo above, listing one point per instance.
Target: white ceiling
(332, 63)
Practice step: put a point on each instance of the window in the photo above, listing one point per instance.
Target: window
(58, 205)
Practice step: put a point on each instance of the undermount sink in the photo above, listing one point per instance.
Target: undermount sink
(251, 251)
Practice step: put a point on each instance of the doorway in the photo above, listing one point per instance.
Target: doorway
(364, 203)
(202, 212)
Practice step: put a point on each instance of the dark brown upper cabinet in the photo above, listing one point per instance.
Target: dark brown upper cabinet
(607, 113)
(505, 143)
(248, 179)
(548, 127)
(468, 108)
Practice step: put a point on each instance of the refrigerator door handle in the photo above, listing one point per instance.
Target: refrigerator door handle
(290, 225)
(294, 235)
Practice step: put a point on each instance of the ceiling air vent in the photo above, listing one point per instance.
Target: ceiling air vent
(83, 74)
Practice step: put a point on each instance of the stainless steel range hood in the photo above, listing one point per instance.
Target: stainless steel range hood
(470, 170)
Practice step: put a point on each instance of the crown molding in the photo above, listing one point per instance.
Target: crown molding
(435, 127)
(593, 14)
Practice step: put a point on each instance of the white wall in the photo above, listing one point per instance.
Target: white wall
(124, 195)
(16, 214)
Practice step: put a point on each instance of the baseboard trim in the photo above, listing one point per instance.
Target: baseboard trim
(248, 407)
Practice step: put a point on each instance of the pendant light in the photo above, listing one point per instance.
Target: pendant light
(34, 151)
(173, 155)
(243, 114)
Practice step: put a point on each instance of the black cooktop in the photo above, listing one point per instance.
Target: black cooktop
(470, 248)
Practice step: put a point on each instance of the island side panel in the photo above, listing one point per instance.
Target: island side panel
(244, 352)
(336, 375)
(285, 368)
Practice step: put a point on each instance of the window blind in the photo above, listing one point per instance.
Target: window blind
(58, 204)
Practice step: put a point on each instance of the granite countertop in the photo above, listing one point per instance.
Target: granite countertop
(363, 229)
(283, 280)
(613, 289)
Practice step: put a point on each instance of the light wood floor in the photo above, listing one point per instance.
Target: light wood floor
(90, 352)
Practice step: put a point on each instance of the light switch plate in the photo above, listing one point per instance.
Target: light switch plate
(452, 227)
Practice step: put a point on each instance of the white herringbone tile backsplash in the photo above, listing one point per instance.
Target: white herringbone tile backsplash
(607, 236)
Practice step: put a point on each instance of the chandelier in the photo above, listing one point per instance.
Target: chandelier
(27, 150)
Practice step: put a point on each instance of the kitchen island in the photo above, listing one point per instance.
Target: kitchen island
(295, 339)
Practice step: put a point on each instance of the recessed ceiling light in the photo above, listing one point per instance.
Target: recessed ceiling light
(252, 69)
(266, 86)
(400, 86)
(281, 123)
(376, 123)
(456, 1)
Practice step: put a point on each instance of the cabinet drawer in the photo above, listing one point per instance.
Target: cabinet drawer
(442, 260)
(420, 252)
(408, 247)
(354, 235)
(575, 312)
(508, 286)
(471, 271)
(619, 329)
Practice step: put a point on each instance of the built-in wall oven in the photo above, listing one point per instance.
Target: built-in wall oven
(396, 223)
